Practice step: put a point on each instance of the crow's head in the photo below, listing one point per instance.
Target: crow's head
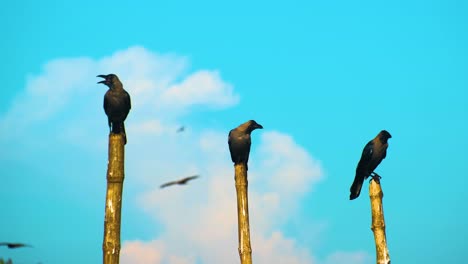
(111, 80)
(384, 135)
(252, 125)
(248, 127)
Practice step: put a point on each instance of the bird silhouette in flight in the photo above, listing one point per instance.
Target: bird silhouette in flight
(180, 182)
(14, 245)
(180, 129)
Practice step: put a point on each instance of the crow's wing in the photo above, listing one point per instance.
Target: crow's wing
(128, 101)
(185, 180)
(168, 184)
(363, 169)
(230, 146)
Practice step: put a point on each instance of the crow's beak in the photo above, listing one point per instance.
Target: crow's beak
(102, 76)
(258, 126)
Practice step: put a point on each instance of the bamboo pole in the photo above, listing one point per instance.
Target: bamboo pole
(245, 250)
(378, 222)
(115, 178)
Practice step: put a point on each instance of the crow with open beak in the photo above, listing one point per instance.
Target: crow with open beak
(116, 104)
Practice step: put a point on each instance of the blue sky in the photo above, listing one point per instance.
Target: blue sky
(322, 77)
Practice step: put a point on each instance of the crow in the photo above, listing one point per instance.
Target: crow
(180, 129)
(239, 142)
(374, 152)
(116, 104)
(14, 245)
(180, 182)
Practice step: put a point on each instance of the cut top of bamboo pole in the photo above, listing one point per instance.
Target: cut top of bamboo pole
(378, 222)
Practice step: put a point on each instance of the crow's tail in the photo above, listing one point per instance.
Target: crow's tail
(356, 187)
(119, 127)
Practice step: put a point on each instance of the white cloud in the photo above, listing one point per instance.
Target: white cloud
(153, 127)
(278, 249)
(292, 168)
(47, 93)
(195, 88)
(137, 252)
(160, 87)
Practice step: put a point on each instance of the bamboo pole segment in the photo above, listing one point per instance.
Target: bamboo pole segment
(115, 178)
(378, 222)
(245, 250)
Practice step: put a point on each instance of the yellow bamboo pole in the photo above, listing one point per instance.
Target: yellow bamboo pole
(378, 222)
(115, 178)
(245, 250)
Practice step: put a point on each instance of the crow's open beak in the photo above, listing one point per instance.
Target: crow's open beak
(103, 76)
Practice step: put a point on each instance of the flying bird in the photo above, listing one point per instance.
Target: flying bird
(180, 182)
(180, 129)
(374, 152)
(116, 104)
(14, 245)
(239, 142)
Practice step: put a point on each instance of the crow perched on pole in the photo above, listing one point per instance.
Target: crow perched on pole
(239, 142)
(374, 152)
(116, 104)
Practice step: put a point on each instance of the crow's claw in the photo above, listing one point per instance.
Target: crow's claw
(375, 177)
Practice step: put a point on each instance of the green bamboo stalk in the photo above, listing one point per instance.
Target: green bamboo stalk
(245, 250)
(115, 178)
(378, 222)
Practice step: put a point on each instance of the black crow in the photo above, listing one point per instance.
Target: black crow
(116, 104)
(374, 152)
(239, 142)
